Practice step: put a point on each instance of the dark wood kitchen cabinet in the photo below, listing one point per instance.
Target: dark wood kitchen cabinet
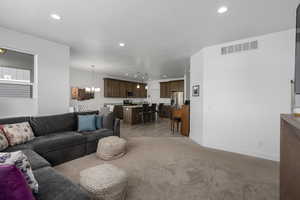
(166, 88)
(111, 88)
(143, 91)
(107, 88)
(124, 89)
(115, 88)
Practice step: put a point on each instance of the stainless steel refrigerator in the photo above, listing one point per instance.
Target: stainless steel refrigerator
(177, 99)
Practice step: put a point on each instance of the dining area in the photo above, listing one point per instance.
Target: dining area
(177, 118)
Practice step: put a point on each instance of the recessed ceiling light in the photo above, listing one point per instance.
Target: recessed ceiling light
(222, 9)
(164, 76)
(126, 74)
(121, 44)
(55, 16)
(2, 51)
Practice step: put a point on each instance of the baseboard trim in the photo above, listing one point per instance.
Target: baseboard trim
(251, 154)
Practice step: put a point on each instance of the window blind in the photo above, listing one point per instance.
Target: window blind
(15, 90)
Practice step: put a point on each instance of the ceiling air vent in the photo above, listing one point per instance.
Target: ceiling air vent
(239, 47)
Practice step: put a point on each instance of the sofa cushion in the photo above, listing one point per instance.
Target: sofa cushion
(19, 147)
(96, 135)
(64, 155)
(54, 186)
(57, 141)
(36, 161)
(86, 123)
(84, 113)
(3, 140)
(45, 125)
(108, 120)
(18, 133)
(99, 121)
(14, 120)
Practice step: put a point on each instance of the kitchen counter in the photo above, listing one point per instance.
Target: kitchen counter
(135, 106)
(118, 109)
(132, 114)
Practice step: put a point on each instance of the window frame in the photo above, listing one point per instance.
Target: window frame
(33, 84)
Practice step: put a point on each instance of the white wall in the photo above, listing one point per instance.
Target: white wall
(187, 81)
(243, 95)
(83, 78)
(154, 91)
(53, 76)
(196, 103)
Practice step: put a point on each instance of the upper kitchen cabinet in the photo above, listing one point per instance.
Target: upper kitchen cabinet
(111, 88)
(143, 91)
(140, 92)
(123, 89)
(166, 88)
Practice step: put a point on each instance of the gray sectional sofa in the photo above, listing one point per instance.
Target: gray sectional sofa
(58, 141)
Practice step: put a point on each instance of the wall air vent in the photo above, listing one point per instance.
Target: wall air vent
(239, 47)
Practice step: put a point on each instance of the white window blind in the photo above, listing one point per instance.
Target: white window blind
(15, 90)
(16, 74)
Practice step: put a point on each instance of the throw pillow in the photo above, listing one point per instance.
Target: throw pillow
(3, 140)
(20, 160)
(108, 120)
(99, 120)
(86, 123)
(13, 185)
(18, 133)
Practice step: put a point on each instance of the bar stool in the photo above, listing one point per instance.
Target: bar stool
(175, 120)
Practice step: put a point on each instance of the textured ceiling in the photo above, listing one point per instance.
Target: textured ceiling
(160, 35)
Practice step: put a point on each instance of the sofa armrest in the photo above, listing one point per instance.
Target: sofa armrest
(117, 127)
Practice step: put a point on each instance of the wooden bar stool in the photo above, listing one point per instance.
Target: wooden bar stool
(175, 117)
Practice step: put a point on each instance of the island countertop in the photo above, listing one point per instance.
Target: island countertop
(135, 106)
(132, 114)
(291, 119)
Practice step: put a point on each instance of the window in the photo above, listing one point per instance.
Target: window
(16, 74)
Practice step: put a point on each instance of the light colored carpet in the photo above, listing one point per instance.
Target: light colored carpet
(161, 128)
(175, 168)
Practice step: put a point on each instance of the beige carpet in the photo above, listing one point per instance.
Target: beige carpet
(160, 128)
(175, 168)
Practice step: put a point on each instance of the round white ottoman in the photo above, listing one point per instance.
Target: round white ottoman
(111, 148)
(104, 182)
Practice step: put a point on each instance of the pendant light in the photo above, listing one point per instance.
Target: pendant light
(143, 77)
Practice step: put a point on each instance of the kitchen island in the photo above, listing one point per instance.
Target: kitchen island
(132, 114)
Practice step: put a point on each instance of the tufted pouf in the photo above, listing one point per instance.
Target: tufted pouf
(104, 182)
(110, 148)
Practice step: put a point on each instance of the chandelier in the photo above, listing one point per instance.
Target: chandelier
(142, 77)
(93, 88)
